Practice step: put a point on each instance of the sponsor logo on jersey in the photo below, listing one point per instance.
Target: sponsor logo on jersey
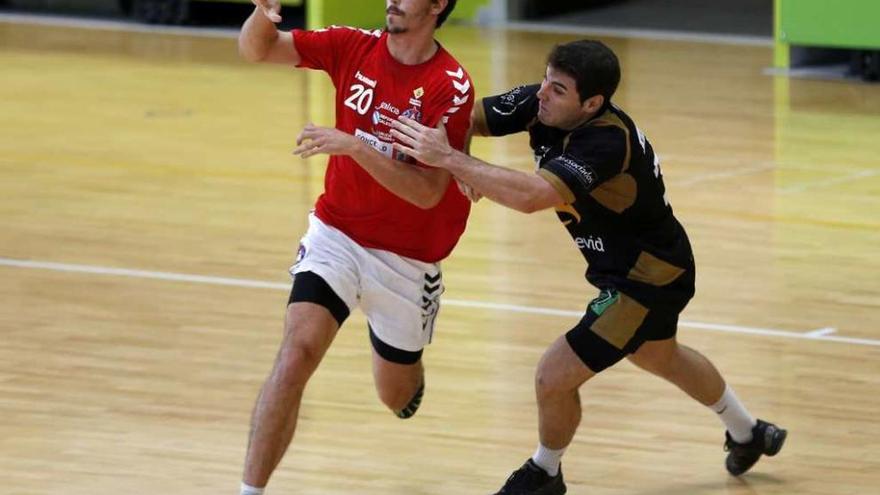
(417, 94)
(591, 243)
(377, 144)
(584, 174)
(509, 102)
(364, 79)
(388, 106)
(379, 118)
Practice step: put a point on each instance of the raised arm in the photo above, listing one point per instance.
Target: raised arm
(261, 41)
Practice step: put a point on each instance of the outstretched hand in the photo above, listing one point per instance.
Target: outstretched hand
(425, 144)
(270, 8)
(315, 140)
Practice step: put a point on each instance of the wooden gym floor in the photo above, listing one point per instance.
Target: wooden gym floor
(149, 208)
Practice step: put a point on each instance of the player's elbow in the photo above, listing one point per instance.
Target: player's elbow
(527, 208)
(248, 52)
(531, 204)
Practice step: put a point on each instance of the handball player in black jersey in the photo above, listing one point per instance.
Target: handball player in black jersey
(600, 173)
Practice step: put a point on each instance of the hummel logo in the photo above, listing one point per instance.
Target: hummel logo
(458, 74)
(460, 101)
(462, 87)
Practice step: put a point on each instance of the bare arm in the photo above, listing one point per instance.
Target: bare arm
(423, 187)
(522, 191)
(261, 41)
(525, 192)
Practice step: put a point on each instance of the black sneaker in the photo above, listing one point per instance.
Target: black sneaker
(530, 479)
(767, 439)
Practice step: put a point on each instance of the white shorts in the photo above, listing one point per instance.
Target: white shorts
(400, 296)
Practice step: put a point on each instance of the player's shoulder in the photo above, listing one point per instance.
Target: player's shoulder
(609, 124)
(449, 76)
(509, 102)
(352, 34)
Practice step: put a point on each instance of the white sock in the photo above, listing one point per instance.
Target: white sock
(250, 490)
(548, 459)
(735, 416)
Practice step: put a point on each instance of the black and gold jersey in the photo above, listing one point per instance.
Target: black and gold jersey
(615, 201)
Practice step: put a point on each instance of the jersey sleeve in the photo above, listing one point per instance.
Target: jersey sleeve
(453, 107)
(593, 156)
(507, 113)
(325, 49)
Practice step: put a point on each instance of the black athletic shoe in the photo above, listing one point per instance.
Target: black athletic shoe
(767, 439)
(414, 403)
(530, 479)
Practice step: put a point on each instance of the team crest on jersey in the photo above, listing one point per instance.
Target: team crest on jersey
(413, 113)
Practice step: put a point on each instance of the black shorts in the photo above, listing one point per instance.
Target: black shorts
(616, 325)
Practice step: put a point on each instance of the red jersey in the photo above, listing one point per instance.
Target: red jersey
(372, 90)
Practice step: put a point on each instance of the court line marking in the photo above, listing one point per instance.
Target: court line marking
(699, 179)
(821, 334)
(806, 186)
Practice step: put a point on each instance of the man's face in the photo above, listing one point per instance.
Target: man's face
(402, 16)
(560, 103)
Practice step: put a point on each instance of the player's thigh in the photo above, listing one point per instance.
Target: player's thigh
(309, 330)
(616, 325)
(655, 355)
(330, 255)
(398, 379)
(401, 299)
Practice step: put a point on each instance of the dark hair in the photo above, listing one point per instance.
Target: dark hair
(443, 15)
(592, 65)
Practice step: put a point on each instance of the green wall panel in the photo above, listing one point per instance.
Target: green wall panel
(370, 13)
(827, 23)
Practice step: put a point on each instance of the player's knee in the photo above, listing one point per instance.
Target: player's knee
(296, 363)
(548, 383)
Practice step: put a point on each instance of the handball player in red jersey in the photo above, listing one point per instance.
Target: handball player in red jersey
(384, 221)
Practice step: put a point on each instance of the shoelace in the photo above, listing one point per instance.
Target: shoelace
(525, 474)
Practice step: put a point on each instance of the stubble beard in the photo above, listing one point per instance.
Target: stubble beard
(395, 29)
